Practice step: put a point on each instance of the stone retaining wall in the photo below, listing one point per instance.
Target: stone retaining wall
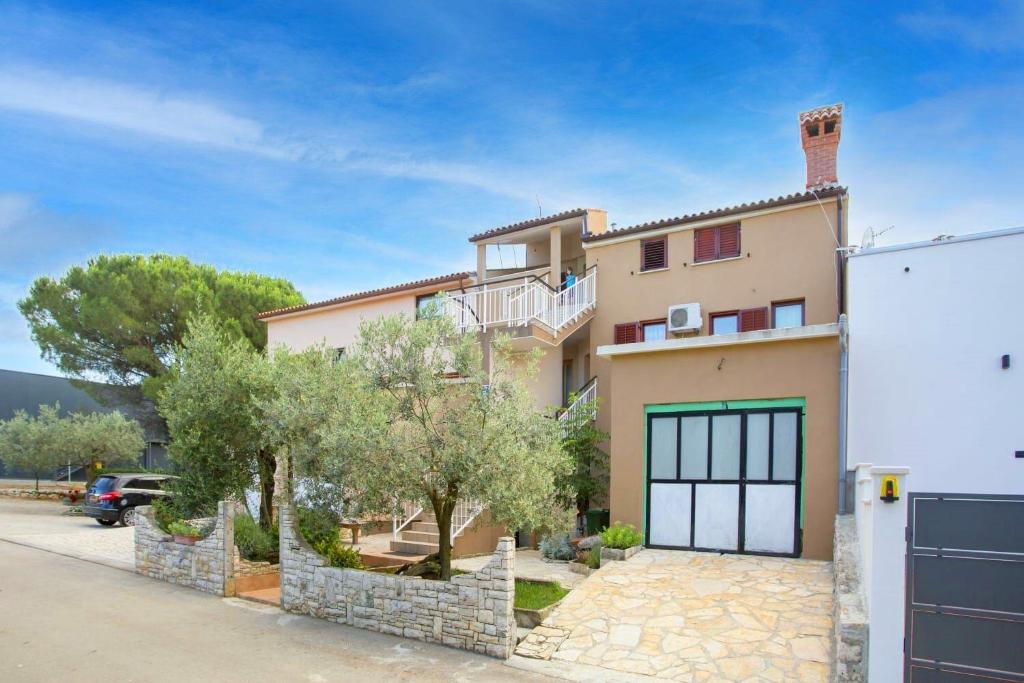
(245, 567)
(472, 612)
(31, 493)
(207, 566)
(850, 638)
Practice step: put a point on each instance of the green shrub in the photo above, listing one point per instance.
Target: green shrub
(320, 526)
(254, 542)
(621, 536)
(338, 555)
(556, 547)
(594, 558)
(164, 514)
(317, 525)
(179, 528)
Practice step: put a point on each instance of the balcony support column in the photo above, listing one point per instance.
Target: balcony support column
(481, 262)
(555, 275)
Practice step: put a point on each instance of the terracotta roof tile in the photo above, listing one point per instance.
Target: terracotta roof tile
(796, 198)
(366, 295)
(572, 213)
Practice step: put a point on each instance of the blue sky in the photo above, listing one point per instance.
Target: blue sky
(347, 146)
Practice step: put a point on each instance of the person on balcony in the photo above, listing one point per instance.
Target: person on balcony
(570, 278)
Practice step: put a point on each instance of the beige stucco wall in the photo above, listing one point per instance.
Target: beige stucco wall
(789, 254)
(790, 369)
(337, 327)
(546, 385)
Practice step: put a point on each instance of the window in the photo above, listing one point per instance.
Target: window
(653, 254)
(788, 314)
(654, 331)
(648, 330)
(746, 320)
(427, 306)
(725, 323)
(339, 353)
(712, 244)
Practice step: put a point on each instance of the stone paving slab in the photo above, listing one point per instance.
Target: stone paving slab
(699, 617)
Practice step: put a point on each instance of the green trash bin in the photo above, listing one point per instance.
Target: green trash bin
(597, 520)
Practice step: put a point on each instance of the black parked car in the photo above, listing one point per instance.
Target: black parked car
(112, 498)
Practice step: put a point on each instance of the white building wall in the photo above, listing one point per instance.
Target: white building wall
(926, 385)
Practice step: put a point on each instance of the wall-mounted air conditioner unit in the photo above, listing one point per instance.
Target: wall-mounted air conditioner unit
(684, 318)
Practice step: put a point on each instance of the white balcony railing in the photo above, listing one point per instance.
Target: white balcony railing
(572, 412)
(523, 303)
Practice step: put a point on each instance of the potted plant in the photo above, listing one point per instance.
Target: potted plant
(588, 556)
(620, 542)
(184, 533)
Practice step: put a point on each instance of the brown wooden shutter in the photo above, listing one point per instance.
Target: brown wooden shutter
(728, 241)
(753, 319)
(627, 333)
(704, 245)
(653, 254)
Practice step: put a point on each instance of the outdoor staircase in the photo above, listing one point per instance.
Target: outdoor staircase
(421, 537)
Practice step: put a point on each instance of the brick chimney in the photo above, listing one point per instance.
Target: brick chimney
(819, 135)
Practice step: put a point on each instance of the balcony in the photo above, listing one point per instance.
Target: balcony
(526, 303)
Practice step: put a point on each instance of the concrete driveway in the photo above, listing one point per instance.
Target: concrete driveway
(40, 524)
(696, 617)
(65, 620)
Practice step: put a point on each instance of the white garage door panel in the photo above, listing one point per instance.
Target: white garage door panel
(717, 516)
(769, 521)
(670, 514)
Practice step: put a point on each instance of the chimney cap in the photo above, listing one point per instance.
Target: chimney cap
(830, 111)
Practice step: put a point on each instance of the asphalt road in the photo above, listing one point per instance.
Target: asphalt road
(65, 619)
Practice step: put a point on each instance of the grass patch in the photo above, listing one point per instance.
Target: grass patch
(537, 594)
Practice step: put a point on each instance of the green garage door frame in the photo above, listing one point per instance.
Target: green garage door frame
(749, 404)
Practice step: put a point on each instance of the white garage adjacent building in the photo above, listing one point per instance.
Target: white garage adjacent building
(936, 400)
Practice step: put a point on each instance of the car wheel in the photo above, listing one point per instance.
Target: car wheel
(106, 522)
(127, 517)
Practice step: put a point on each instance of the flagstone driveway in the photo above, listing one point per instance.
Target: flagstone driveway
(696, 617)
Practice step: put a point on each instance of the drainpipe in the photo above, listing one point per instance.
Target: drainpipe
(840, 256)
(844, 350)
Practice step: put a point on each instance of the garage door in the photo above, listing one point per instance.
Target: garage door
(965, 588)
(725, 480)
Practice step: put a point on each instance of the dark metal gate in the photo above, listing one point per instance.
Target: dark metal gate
(965, 588)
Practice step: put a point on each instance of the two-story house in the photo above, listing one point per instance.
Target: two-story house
(711, 340)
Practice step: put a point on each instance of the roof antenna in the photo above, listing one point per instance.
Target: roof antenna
(539, 212)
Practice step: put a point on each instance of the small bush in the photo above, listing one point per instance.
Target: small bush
(180, 528)
(594, 558)
(338, 555)
(253, 542)
(556, 547)
(317, 525)
(621, 536)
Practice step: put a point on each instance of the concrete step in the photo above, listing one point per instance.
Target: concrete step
(389, 559)
(413, 547)
(428, 527)
(421, 536)
(267, 596)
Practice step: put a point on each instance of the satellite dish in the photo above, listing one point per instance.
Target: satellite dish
(868, 240)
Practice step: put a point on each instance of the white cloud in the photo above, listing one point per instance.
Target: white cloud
(140, 110)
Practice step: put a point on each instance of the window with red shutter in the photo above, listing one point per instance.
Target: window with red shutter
(753, 319)
(729, 241)
(704, 245)
(711, 244)
(653, 254)
(627, 333)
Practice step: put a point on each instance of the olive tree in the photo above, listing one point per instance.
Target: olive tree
(96, 441)
(426, 423)
(214, 407)
(91, 440)
(27, 443)
(588, 477)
